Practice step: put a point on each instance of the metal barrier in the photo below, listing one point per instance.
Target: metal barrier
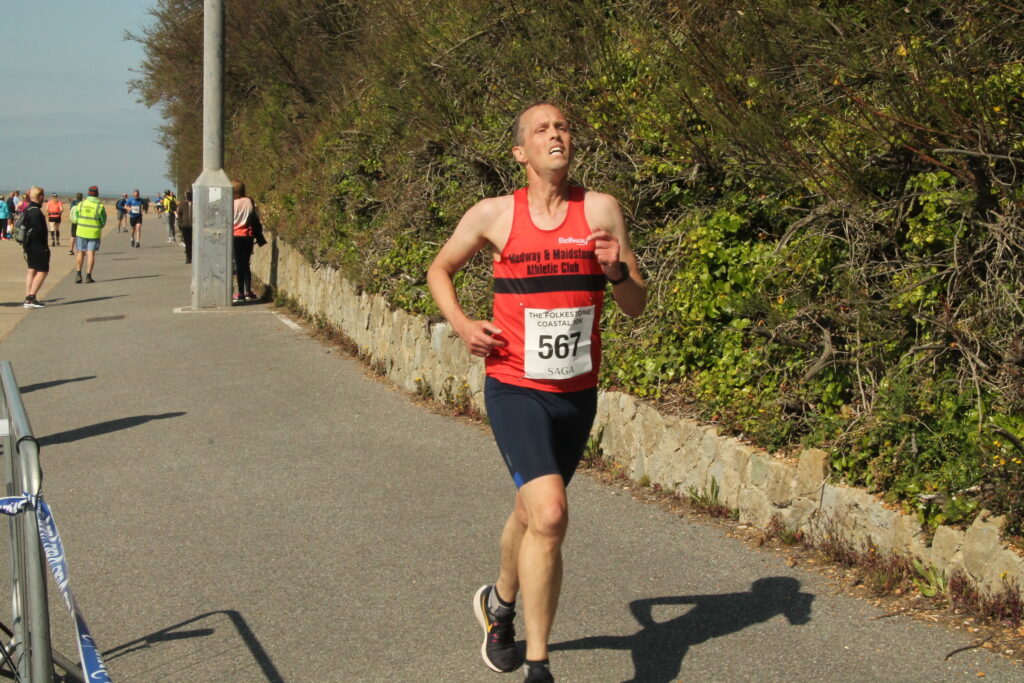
(29, 651)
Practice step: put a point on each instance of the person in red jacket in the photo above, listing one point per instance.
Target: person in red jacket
(555, 247)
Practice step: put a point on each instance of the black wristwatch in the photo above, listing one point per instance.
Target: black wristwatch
(623, 277)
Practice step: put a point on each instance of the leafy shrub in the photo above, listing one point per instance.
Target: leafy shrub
(825, 196)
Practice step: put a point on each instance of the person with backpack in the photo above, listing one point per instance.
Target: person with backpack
(36, 248)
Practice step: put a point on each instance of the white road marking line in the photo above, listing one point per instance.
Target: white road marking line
(290, 323)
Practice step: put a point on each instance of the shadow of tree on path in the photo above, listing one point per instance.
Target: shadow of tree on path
(28, 388)
(87, 301)
(133, 277)
(102, 428)
(659, 647)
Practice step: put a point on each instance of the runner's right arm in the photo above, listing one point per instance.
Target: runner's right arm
(469, 237)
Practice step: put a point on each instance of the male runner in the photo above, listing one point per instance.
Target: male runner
(135, 208)
(122, 212)
(555, 247)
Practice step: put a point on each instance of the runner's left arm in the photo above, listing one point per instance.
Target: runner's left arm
(611, 246)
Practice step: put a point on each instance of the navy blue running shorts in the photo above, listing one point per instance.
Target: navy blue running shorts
(539, 432)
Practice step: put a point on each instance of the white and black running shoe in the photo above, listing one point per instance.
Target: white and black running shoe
(499, 650)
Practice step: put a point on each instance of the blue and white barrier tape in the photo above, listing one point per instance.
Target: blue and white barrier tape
(92, 664)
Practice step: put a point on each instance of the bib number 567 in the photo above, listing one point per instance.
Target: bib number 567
(558, 345)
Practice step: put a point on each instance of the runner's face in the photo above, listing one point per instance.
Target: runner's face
(546, 141)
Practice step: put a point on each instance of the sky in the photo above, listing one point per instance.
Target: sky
(67, 119)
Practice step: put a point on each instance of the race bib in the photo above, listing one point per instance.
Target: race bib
(557, 342)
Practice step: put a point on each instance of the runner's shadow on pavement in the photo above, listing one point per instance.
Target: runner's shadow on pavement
(659, 647)
(28, 388)
(167, 637)
(102, 428)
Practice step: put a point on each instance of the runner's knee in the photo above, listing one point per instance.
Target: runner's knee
(550, 518)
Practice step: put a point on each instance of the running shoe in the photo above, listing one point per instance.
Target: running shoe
(32, 302)
(499, 647)
(538, 672)
(251, 297)
(131, 243)
(238, 299)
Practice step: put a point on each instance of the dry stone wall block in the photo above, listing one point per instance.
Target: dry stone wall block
(779, 487)
(982, 543)
(811, 472)
(755, 508)
(945, 544)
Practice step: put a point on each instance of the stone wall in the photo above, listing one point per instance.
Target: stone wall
(677, 453)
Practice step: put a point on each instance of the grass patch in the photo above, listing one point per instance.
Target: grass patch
(707, 501)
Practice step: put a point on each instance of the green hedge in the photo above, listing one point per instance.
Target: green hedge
(825, 196)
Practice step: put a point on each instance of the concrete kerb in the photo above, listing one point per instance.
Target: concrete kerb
(674, 452)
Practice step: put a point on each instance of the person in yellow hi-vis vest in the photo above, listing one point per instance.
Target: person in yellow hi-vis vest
(92, 216)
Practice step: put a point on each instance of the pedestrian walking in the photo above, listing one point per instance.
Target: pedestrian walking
(555, 247)
(136, 207)
(54, 213)
(5, 214)
(245, 215)
(36, 248)
(170, 205)
(73, 219)
(13, 208)
(92, 216)
(185, 224)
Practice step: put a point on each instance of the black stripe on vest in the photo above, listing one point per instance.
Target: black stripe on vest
(549, 283)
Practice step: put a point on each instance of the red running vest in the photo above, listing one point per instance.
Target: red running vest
(548, 294)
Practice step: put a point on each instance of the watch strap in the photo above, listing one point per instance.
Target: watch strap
(623, 277)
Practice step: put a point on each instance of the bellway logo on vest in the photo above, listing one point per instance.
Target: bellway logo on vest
(571, 240)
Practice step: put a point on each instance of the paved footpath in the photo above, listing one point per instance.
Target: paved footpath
(242, 503)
